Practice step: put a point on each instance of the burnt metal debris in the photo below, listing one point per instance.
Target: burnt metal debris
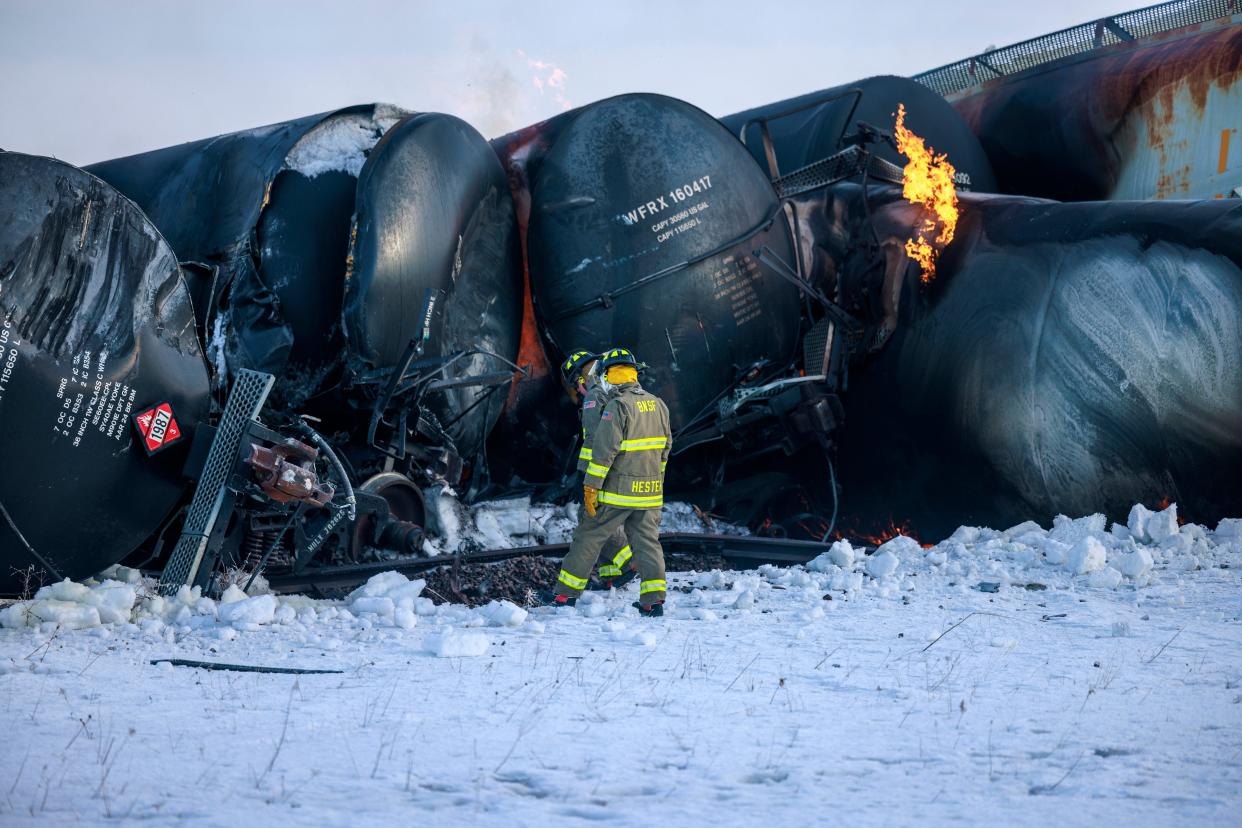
(410, 285)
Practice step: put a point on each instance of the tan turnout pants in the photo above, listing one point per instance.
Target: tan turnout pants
(642, 529)
(615, 554)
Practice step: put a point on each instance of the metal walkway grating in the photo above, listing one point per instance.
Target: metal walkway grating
(250, 390)
(1085, 37)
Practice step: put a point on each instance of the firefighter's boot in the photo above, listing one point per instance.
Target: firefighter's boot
(654, 611)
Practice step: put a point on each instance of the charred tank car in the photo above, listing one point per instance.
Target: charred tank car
(260, 220)
(1067, 358)
(288, 282)
(650, 226)
(790, 135)
(102, 378)
(377, 282)
(643, 231)
(432, 300)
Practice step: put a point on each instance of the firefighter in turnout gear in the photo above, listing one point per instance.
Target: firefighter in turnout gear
(624, 483)
(615, 565)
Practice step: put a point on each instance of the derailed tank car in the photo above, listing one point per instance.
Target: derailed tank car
(789, 135)
(1066, 358)
(261, 220)
(406, 310)
(434, 274)
(993, 402)
(1139, 105)
(649, 225)
(313, 249)
(102, 378)
(644, 221)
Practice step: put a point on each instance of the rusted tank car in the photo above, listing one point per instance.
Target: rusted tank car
(1142, 105)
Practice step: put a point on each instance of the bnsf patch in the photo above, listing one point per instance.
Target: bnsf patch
(158, 428)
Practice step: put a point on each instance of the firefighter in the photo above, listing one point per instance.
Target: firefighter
(624, 484)
(615, 565)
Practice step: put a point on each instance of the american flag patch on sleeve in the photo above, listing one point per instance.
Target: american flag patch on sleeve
(607, 415)
(589, 404)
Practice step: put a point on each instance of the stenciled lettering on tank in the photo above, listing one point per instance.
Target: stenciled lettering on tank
(8, 355)
(659, 203)
(735, 282)
(86, 400)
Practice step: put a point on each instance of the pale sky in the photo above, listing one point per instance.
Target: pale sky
(86, 81)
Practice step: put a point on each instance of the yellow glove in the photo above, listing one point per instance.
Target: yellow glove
(590, 499)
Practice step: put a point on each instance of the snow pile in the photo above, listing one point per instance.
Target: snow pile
(503, 614)
(841, 554)
(340, 143)
(1151, 549)
(1084, 550)
(684, 517)
(888, 556)
(393, 598)
(497, 524)
(1075, 552)
(245, 613)
(516, 522)
(73, 606)
(388, 600)
(1087, 555)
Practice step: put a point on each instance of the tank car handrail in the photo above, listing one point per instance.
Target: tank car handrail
(1015, 58)
(763, 120)
(604, 300)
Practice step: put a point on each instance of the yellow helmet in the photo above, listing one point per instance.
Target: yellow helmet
(573, 364)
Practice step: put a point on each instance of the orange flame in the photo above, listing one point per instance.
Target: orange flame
(927, 180)
(886, 533)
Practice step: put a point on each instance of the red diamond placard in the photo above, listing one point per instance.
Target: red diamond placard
(158, 428)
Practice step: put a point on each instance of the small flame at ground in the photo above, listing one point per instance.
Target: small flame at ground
(886, 534)
(927, 180)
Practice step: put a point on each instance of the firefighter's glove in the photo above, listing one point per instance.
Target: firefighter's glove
(590, 499)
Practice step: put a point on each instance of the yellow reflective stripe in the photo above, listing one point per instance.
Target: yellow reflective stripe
(609, 571)
(621, 557)
(652, 586)
(644, 444)
(585, 453)
(632, 501)
(571, 580)
(597, 470)
(663, 465)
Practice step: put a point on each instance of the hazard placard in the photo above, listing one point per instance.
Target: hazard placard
(157, 428)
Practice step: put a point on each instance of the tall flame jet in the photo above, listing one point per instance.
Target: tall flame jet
(927, 180)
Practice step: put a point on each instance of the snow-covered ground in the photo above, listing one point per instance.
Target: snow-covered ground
(913, 686)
